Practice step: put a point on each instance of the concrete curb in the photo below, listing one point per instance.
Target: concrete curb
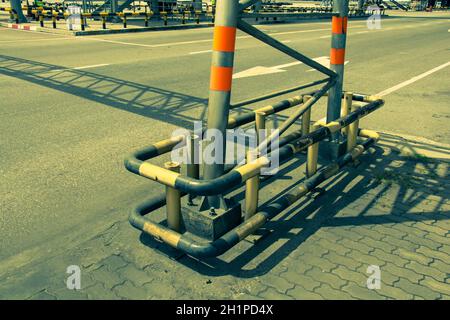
(143, 29)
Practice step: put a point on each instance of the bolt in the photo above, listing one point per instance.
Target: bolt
(212, 212)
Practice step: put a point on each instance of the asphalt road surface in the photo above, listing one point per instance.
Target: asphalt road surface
(72, 108)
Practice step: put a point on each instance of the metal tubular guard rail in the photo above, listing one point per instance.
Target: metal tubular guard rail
(234, 236)
(135, 163)
(234, 178)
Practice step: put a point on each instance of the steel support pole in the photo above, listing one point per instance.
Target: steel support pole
(220, 83)
(84, 6)
(154, 7)
(173, 198)
(337, 59)
(17, 7)
(114, 6)
(360, 5)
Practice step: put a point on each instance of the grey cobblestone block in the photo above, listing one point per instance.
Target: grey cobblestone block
(380, 244)
(407, 245)
(300, 279)
(271, 294)
(133, 274)
(413, 256)
(326, 277)
(441, 266)
(417, 290)
(324, 233)
(392, 292)
(408, 228)
(433, 229)
(311, 247)
(334, 246)
(327, 292)
(357, 277)
(298, 267)
(387, 230)
(423, 242)
(114, 262)
(300, 293)
(348, 261)
(322, 263)
(277, 282)
(360, 292)
(128, 290)
(388, 257)
(346, 233)
(161, 291)
(400, 273)
(438, 286)
(427, 271)
(356, 246)
(445, 249)
(439, 239)
(365, 259)
(368, 233)
(435, 254)
(99, 292)
(107, 277)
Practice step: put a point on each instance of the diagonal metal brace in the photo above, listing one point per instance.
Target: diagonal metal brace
(247, 28)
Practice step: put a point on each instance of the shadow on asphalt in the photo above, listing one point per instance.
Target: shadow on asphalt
(152, 102)
(414, 177)
(147, 101)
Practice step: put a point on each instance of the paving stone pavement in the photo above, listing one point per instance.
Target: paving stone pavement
(391, 211)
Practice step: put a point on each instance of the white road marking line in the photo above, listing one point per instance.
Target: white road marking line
(82, 67)
(324, 37)
(260, 70)
(325, 61)
(286, 41)
(200, 52)
(116, 42)
(298, 31)
(360, 32)
(180, 43)
(91, 66)
(412, 80)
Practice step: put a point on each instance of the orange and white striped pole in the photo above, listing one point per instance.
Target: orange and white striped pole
(227, 12)
(337, 59)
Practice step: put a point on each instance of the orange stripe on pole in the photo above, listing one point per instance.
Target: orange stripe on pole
(337, 56)
(221, 78)
(224, 38)
(339, 25)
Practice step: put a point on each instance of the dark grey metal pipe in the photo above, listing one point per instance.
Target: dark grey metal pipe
(251, 30)
(278, 93)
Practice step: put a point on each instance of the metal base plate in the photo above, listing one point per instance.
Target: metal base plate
(331, 150)
(208, 225)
